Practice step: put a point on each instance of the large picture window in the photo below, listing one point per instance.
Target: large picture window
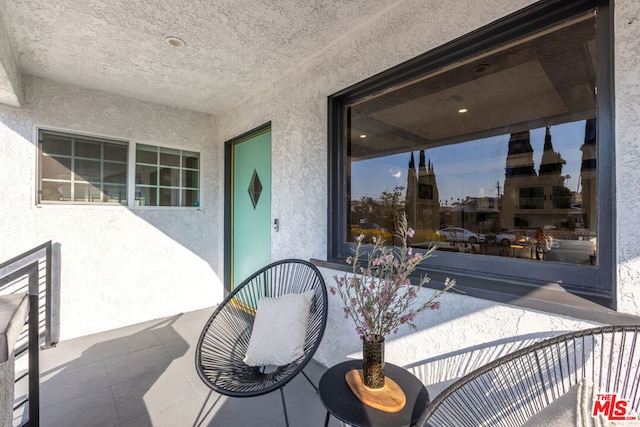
(495, 156)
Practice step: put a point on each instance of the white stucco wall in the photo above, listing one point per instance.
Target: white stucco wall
(10, 87)
(297, 106)
(119, 265)
(627, 173)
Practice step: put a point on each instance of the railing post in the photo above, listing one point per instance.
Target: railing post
(34, 347)
(48, 305)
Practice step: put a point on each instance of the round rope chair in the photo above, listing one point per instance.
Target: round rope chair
(225, 338)
(532, 386)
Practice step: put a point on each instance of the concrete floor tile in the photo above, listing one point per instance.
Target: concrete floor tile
(95, 409)
(182, 412)
(152, 394)
(81, 350)
(114, 346)
(71, 381)
(140, 363)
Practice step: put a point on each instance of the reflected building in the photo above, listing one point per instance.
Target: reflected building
(521, 190)
(542, 199)
(588, 176)
(478, 214)
(556, 194)
(531, 197)
(410, 205)
(422, 202)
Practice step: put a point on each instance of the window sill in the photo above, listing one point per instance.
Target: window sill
(183, 208)
(550, 298)
(114, 206)
(75, 205)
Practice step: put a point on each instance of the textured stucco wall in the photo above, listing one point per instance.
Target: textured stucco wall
(297, 107)
(119, 266)
(627, 173)
(7, 379)
(10, 87)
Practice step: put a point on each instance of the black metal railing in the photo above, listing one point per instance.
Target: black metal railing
(30, 272)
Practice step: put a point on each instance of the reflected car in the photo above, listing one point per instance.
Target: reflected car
(459, 234)
(525, 238)
(369, 226)
(514, 237)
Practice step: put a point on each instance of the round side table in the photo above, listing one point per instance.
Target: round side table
(339, 400)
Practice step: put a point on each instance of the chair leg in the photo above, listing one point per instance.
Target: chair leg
(198, 422)
(310, 382)
(284, 406)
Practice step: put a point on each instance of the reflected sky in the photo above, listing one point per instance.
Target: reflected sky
(469, 169)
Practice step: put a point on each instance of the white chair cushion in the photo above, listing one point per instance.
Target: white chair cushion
(279, 330)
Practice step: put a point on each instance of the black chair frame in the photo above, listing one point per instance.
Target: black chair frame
(512, 389)
(225, 338)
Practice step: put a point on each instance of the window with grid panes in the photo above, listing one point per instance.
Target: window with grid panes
(166, 177)
(81, 169)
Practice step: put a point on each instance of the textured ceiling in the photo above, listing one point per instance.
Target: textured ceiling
(233, 47)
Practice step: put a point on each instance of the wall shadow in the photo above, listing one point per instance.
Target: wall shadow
(438, 372)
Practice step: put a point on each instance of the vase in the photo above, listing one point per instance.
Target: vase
(373, 361)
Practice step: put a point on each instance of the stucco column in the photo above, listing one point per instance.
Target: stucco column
(13, 313)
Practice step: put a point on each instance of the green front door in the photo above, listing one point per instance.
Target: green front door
(251, 205)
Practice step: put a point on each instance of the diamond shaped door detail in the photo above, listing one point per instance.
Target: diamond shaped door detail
(255, 188)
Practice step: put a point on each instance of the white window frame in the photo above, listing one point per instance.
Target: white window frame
(130, 171)
(180, 187)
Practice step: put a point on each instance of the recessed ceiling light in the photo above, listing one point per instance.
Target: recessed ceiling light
(481, 68)
(363, 135)
(462, 110)
(175, 41)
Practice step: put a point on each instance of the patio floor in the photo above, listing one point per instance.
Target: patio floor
(144, 375)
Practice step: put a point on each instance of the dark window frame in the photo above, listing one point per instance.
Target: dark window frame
(598, 283)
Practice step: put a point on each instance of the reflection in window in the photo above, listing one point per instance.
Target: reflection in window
(531, 197)
(501, 148)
